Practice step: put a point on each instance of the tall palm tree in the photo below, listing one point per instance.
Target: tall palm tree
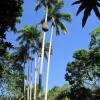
(56, 17)
(29, 39)
(45, 29)
(47, 4)
(30, 45)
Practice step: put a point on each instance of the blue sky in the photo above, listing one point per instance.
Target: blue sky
(63, 46)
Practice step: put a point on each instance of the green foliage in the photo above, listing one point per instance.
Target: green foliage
(58, 93)
(11, 81)
(4, 45)
(45, 3)
(84, 71)
(37, 89)
(30, 39)
(96, 32)
(87, 6)
(10, 10)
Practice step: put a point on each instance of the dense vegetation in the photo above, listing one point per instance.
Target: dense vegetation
(83, 74)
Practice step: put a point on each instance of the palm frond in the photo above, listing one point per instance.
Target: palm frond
(96, 10)
(63, 27)
(82, 7)
(65, 16)
(55, 8)
(76, 2)
(57, 30)
(39, 5)
(49, 3)
(98, 4)
(28, 35)
(86, 15)
(96, 32)
(88, 6)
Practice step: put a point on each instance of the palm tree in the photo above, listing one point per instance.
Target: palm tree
(88, 6)
(29, 39)
(56, 17)
(30, 46)
(45, 29)
(47, 4)
(37, 62)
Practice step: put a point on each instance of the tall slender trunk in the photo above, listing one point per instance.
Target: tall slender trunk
(28, 93)
(31, 79)
(24, 82)
(10, 98)
(42, 57)
(48, 65)
(41, 68)
(35, 80)
(28, 82)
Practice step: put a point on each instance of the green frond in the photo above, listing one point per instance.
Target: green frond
(59, 5)
(66, 17)
(28, 34)
(53, 21)
(57, 30)
(96, 32)
(25, 27)
(63, 27)
(55, 8)
(50, 3)
(19, 37)
(39, 5)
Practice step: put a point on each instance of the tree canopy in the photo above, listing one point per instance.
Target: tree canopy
(10, 11)
(83, 74)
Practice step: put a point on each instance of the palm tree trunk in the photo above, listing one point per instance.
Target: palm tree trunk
(24, 83)
(46, 15)
(35, 80)
(31, 80)
(48, 65)
(42, 57)
(28, 83)
(41, 67)
(10, 98)
(28, 93)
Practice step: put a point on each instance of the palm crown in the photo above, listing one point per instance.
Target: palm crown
(88, 6)
(45, 3)
(30, 38)
(56, 17)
